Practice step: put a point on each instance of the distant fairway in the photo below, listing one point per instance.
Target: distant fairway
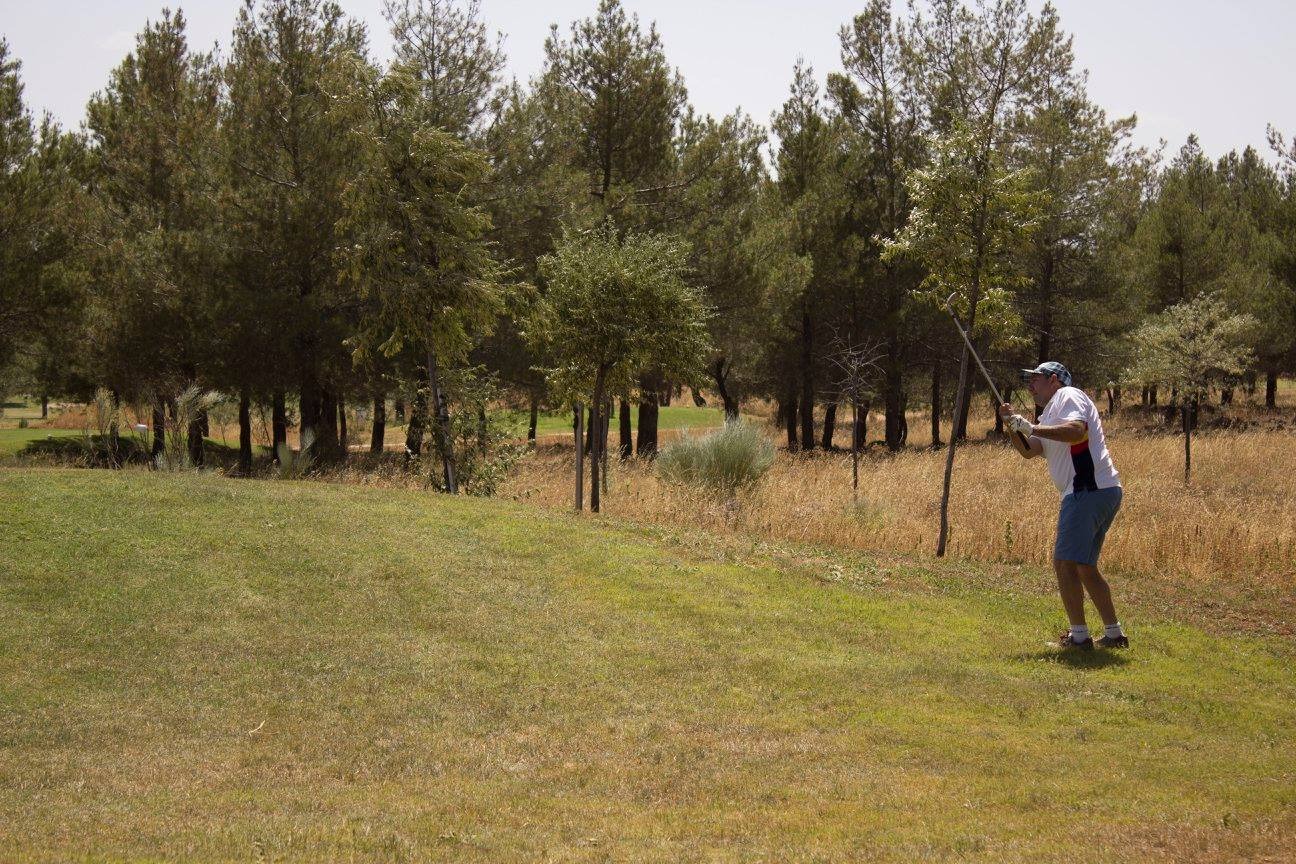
(14, 441)
(195, 668)
(669, 418)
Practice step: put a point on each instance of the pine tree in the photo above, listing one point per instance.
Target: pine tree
(298, 79)
(42, 227)
(155, 153)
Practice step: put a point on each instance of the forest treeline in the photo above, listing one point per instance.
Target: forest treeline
(300, 228)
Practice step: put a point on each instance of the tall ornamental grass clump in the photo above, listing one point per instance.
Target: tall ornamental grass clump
(722, 463)
(187, 407)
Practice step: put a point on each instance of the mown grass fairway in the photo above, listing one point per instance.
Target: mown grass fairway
(206, 669)
(14, 441)
(669, 417)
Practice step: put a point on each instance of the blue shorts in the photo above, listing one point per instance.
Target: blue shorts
(1083, 523)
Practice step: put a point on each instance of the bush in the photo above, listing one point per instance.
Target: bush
(22, 423)
(723, 462)
(483, 439)
(185, 409)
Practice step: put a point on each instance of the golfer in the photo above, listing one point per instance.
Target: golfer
(1070, 435)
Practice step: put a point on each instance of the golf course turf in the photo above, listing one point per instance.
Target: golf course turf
(206, 669)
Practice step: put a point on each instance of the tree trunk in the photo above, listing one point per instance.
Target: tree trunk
(399, 410)
(1152, 396)
(578, 427)
(44, 406)
(1271, 389)
(959, 400)
(963, 409)
(935, 405)
(807, 382)
(1187, 431)
(308, 409)
(378, 435)
(698, 400)
(720, 372)
(442, 432)
(344, 442)
(589, 432)
(998, 427)
(535, 418)
(646, 446)
(278, 423)
(859, 428)
(805, 411)
(830, 422)
(159, 428)
(893, 400)
(603, 442)
(596, 440)
(855, 447)
(626, 430)
(1226, 396)
(195, 441)
(327, 442)
(414, 429)
(245, 434)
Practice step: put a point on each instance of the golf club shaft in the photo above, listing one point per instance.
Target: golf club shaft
(980, 365)
(999, 400)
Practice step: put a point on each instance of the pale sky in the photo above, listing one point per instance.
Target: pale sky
(1220, 69)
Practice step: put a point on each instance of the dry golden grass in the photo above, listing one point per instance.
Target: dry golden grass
(1231, 530)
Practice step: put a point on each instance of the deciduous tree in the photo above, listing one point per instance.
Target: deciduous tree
(615, 306)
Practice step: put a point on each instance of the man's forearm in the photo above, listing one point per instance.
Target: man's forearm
(1068, 433)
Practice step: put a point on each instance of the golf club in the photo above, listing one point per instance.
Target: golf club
(999, 400)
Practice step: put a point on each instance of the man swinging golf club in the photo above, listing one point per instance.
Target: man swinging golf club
(1070, 436)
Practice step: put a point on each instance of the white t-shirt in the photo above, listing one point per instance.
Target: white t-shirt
(1085, 465)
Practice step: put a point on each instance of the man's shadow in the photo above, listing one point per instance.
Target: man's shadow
(1074, 659)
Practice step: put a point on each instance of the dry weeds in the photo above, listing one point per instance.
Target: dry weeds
(1231, 530)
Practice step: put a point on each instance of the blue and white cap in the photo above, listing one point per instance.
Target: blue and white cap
(1050, 367)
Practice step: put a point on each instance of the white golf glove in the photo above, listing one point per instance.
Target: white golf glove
(1018, 423)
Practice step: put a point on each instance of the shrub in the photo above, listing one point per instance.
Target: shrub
(483, 439)
(295, 466)
(723, 462)
(185, 409)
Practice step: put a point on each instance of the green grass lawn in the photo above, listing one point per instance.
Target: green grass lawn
(14, 440)
(196, 668)
(669, 417)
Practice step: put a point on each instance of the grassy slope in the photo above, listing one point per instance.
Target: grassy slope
(210, 669)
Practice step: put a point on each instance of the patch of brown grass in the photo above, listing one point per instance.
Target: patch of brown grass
(1228, 535)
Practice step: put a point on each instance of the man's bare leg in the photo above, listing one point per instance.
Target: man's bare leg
(1072, 591)
(1098, 590)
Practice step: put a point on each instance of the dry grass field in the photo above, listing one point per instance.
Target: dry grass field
(1230, 532)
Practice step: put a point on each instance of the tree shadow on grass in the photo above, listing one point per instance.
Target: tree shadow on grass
(1073, 659)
